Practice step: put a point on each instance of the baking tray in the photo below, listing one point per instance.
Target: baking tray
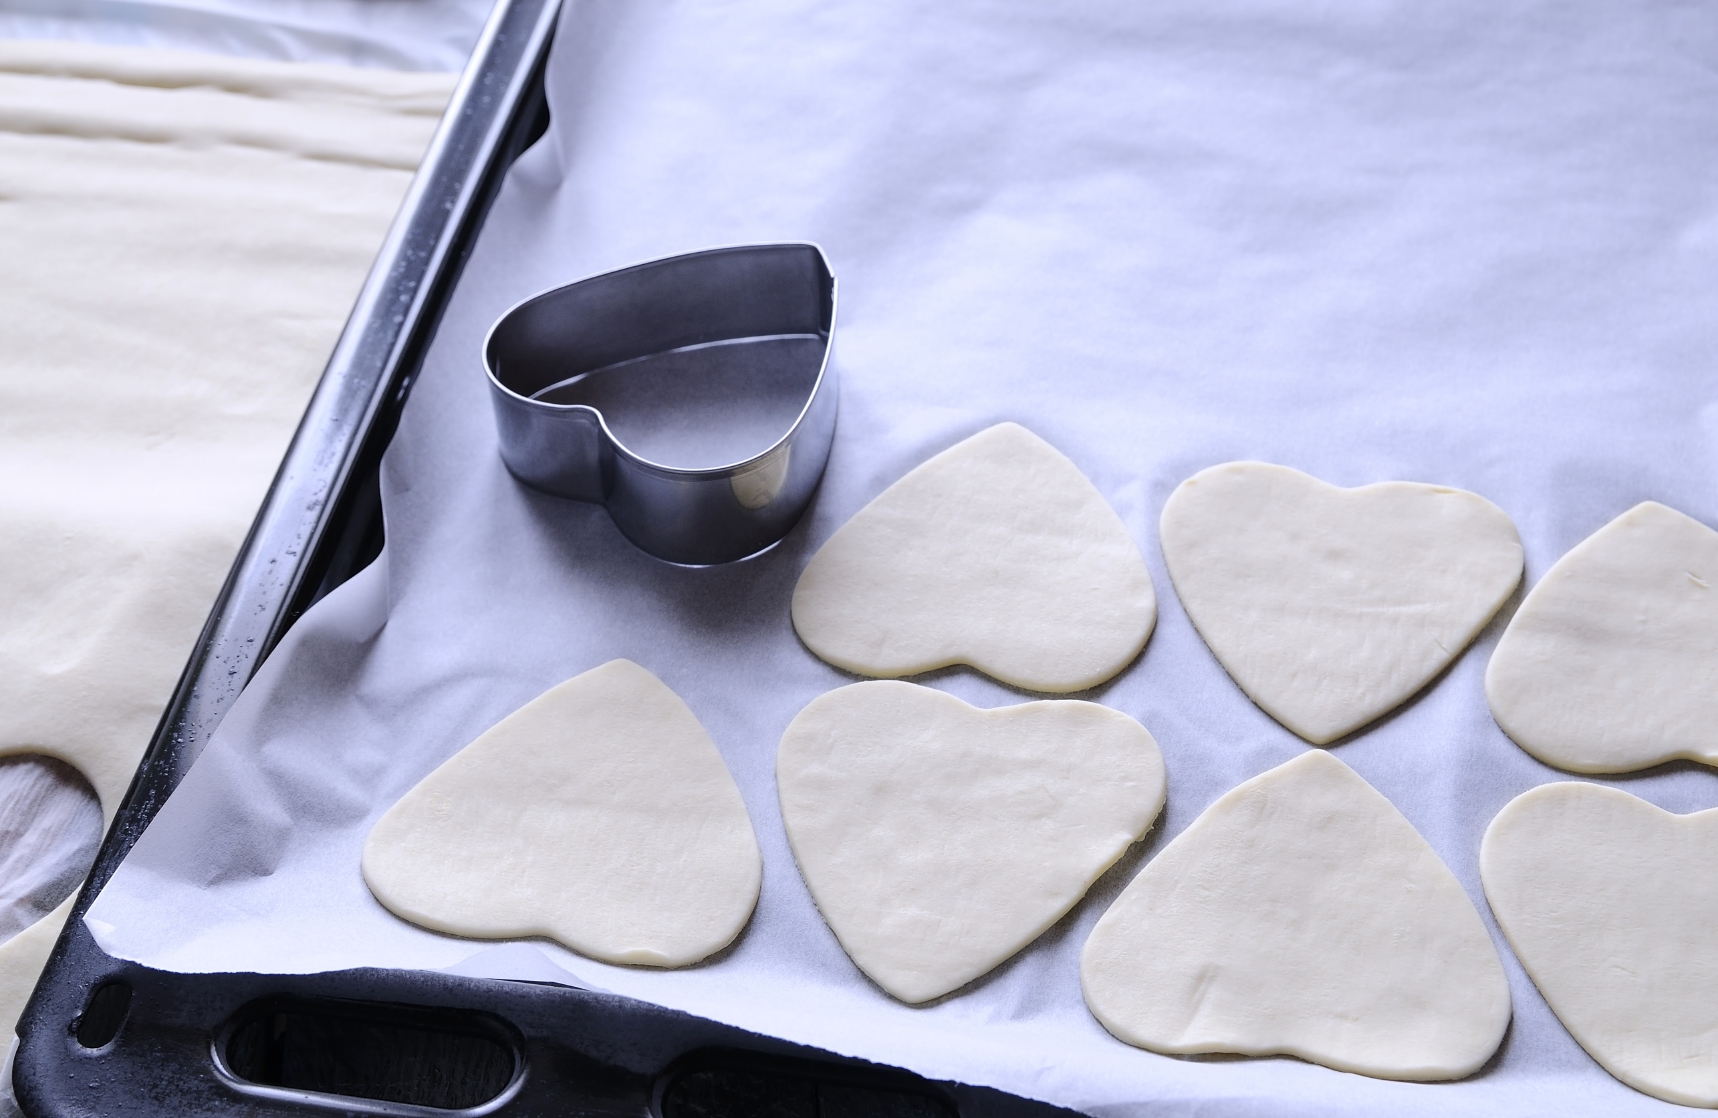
(102, 1036)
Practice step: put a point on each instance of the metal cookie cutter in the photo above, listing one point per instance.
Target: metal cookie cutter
(691, 395)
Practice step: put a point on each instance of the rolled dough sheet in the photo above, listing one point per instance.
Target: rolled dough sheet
(183, 238)
(599, 814)
(1301, 914)
(1611, 663)
(939, 839)
(385, 34)
(1330, 607)
(996, 553)
(1611, 904)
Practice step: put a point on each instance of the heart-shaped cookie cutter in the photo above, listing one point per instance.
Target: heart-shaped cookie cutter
(744, 331)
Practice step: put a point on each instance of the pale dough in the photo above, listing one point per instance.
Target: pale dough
(1330, 607)
(996, 553)
(181, 241)
(1611, 664)
(1301, 914)
(939, 839)
(1612, 906)
(599, 814)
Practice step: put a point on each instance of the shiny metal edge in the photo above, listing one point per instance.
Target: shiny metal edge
(615, 440)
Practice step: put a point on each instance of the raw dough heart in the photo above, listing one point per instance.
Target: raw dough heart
(1301, 915)
(1611, 664)
(996, 553)
(1612, 906)
(598, 814)
(939, 839)
(1330, 607)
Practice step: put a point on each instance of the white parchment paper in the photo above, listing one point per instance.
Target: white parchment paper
(1460, 243)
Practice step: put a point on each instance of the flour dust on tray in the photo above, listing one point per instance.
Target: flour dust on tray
(1301, 915)
(997, 553)
(1330, 607)
(939, 839)
(1611, 664)
(1611, 904)
(599, 814)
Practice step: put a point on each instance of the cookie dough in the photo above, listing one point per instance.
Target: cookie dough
(1301, 914)
(996, 553)
(1611, 664)
(599, 814)
(939, 839)
(1610, 903)
(1330, 607)
(185, 236)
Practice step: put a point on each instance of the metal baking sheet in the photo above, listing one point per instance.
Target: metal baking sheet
(1457, 246)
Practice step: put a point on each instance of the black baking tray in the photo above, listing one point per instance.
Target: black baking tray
(103, 1036)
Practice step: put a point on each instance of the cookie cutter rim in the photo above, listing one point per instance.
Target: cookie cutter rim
(820, 398)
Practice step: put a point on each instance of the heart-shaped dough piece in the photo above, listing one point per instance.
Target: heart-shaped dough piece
(1611, 904)
(1611, 664)
(1330, 607)
(1301, 915)
(939, 839)
(996, 553)
(598, 814)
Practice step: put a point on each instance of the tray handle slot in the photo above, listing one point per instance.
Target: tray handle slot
(99, 1023)
(421, 1059)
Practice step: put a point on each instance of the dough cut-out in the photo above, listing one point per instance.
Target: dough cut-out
(1330, 607)
(938, 839)
(1611, 663)
(1301, 915)
(997, 553)
(599, 814)
(1611, 903)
